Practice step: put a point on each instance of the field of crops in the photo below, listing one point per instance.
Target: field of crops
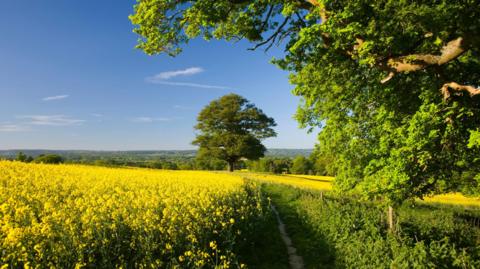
(70, 216)
(299, 181)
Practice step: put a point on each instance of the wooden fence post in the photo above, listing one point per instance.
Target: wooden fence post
(391, 225)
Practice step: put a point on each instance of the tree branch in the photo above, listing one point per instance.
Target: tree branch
(235, 2)
(273, 36)
(267, 18)
(322, 11)
(416, 62)
(459, 88)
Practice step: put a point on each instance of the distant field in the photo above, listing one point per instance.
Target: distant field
(310, 177)
(307, 182)
(454, 199)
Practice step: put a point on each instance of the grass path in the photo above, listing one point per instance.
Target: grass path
(295, 261)
(314, 251)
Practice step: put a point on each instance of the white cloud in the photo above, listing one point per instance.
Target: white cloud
(56, 97)
(162, 78)
(171, 74)
(98, 115)
(194, 85)
(148, 119)
(10, 128)
(182, 107)
(51, 120)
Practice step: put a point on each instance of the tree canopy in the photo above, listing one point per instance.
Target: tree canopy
(393, 84)
(49, 159)
(301, 166)
(231, 128)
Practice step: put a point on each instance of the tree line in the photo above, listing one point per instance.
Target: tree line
(42, 158)
(301, 165)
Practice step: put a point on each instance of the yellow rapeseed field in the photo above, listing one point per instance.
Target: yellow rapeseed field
(70, 216)
(317, 178)
(299, 181)
(454, 199)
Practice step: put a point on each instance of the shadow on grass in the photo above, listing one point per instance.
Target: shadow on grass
(309, 179)
(265, 249)
(310, 245)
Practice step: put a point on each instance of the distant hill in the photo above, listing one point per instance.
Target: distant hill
(136, 155)
(288, 152)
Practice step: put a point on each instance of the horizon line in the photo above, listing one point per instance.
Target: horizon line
(117, 150)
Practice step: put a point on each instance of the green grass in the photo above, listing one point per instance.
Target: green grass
(310, 245)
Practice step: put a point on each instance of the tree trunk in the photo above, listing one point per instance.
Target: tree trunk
(391, 224)
(230, 166)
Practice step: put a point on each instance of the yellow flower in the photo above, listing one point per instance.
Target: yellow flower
(94, 209)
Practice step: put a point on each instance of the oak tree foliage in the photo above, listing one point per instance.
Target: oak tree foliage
(231, 128)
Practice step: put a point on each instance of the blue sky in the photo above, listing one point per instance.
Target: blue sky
(70, 78)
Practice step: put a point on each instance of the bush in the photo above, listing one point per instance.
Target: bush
(49, 159)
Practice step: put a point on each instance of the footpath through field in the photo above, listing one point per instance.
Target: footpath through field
(295, 261)
(302, 249)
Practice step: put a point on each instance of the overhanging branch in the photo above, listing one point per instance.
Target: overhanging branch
(416, 62)
(458, 88)
(322, 11)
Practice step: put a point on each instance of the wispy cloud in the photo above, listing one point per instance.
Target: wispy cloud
(56, 97)
(97, 115)
(176, 73)
(148, 119)
(182, 107)
(163, 79)
(194, 85)
(10, 128)
(51, 120)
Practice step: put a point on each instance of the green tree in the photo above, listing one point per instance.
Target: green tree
(49, 158)
(169, 165)
(322, 163)
(282, 165)
(21, 157)
(393, 84)
(231, 128)
(301, 166)
(271, 165)
(209, 163)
